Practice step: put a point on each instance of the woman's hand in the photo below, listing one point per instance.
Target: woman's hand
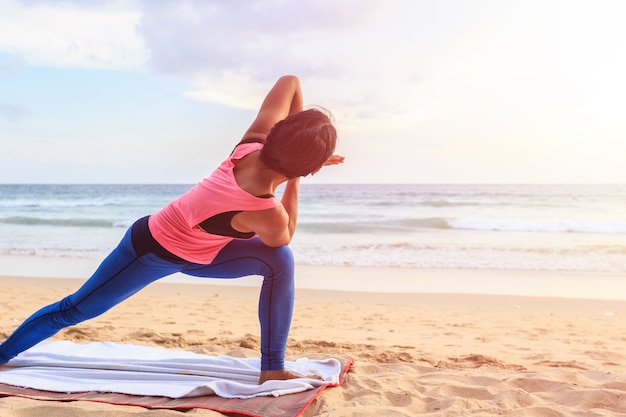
(333, 160)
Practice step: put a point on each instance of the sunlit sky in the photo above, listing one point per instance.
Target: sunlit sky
(436, 91)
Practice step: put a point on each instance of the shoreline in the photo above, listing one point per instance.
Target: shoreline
(387, 280)
(478, 301)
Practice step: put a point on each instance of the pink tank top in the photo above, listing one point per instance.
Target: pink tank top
(175, 226)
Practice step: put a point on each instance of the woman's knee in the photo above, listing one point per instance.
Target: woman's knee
(68, 312)
(279, 259)
(283, 254)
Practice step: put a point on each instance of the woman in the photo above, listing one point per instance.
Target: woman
(230, 225)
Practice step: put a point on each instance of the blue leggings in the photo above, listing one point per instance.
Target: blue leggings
(123, 273)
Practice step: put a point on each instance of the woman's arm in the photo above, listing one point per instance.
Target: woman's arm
(283, 99)
(275, 227)
(290, 203)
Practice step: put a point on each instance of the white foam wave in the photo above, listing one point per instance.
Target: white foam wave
(540, 225)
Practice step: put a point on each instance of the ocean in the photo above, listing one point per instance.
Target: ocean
(577, 228)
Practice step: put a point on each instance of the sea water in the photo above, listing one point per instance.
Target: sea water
(577, 228)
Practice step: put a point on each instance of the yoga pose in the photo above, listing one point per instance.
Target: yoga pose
(230, 225)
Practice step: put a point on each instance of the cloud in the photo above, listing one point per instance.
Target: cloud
(72, 34)
(230, 53)
(256, 38)
(349, 56)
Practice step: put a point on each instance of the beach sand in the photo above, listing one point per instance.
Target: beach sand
(415, 354)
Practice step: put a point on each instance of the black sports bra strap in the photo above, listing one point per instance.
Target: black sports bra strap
(251, 140)
(248, 140)
(220, 224)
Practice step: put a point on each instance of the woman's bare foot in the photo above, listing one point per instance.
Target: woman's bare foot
(282, 375)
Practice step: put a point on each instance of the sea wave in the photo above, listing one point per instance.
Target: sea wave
(72, 253)
(577, 228)
(56, 203)
(606, 255)
(373, 226)
(438, 203)
(64, 222)
(368, 226)
(609, 259)
(541, 225)
(449, 203)
(468, 224)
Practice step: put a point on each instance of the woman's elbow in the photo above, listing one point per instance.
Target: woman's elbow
(276, 241)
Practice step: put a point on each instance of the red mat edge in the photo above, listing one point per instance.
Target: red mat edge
(346, 366)
(342, 379)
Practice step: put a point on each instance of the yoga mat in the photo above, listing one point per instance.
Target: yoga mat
(275, 402)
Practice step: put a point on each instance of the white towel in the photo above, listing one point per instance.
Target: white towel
(63, 366)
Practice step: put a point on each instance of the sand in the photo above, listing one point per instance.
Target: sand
(415, 354)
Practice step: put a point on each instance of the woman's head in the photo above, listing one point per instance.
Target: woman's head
(300, 144)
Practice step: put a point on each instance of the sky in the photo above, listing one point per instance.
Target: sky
(437, 91)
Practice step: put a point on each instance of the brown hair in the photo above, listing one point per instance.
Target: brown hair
(300, 143)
